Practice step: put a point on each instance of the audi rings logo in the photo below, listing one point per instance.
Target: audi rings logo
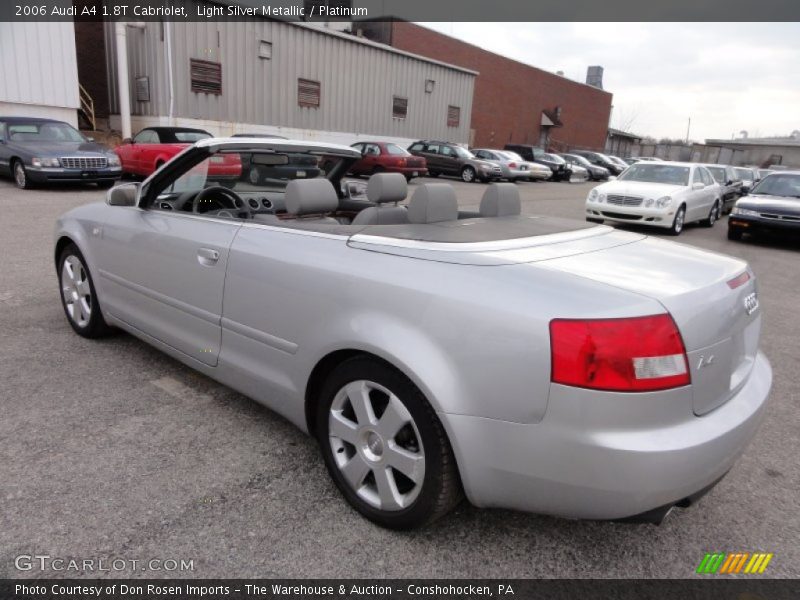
(751, 303)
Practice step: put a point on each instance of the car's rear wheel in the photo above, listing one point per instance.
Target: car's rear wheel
(433, 174)
(713, 216)
(384, 446)
(678, 222)
(735, 234)
(78, 295)
(468, 174)
(104, 185)
(21, 175)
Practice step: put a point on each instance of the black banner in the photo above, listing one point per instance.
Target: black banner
(714, 587)
(409, 10)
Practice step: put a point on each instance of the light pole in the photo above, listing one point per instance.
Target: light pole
(688, 127)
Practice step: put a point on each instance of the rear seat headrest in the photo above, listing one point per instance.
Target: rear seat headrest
(501, 200)
(310, 196)
(433, 203)
(386, 187)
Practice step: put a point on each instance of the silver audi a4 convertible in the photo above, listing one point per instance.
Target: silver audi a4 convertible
(528, 362)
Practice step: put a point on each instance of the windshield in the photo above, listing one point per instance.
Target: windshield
(43, 132)
(580, 160)
(396, 150)
(250, 172)
(779, 185)
(746, 174)
(462, 153)
(655, 173)
(718, 174)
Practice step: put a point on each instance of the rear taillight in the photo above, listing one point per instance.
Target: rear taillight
(739, 281)
(512, 165)
(626, 355)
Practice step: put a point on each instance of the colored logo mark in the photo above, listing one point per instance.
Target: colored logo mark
(734, 562)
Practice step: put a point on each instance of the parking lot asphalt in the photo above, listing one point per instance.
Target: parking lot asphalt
(112, 449)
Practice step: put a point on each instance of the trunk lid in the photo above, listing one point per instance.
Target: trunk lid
(720, 324)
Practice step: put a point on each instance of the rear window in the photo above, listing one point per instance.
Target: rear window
(396, 150)
(191, 136)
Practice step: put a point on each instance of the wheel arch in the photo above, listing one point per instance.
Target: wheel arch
(62, 242)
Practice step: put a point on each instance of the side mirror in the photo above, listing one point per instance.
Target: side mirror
(123, 195)
(698, 185)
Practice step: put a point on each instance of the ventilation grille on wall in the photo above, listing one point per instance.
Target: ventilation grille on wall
(206, 76)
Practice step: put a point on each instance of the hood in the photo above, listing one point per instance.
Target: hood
(776, 204)
(57, 149)
(639, 188)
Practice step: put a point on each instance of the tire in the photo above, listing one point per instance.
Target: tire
(593, 220)
(364, 454)
(105, 185)
(377, 169)
(78, 295)
(20, 175)
(408, 178)
(735, 234)
(433, 174)
(678, 222)
(468, 174)
(713, 216)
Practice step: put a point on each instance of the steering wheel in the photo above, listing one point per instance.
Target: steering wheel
(221, 195)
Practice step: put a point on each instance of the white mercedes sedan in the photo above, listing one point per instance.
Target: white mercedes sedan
(660, 194)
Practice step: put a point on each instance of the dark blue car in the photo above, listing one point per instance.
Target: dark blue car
(43, 150)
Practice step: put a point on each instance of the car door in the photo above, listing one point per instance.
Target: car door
(433, 158)
(449, 160)
(697, 200)
(372, 154)
(163, 272)
(358, 167)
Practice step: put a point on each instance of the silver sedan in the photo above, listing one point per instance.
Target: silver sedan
(530, 363)
(513, 166)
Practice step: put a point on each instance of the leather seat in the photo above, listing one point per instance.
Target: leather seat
(383, 188)
(433, 203)
(308, 200)
(501, 200)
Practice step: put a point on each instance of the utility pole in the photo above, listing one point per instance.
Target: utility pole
(688, 126)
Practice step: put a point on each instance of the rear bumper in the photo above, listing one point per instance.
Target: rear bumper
(593, 456)
(45, 175)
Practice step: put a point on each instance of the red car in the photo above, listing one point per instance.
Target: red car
(380, 157)
(153, 146)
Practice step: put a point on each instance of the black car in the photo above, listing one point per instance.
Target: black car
(601, 160)
(44, 150)
(596, 173)
(560, 168)
(774, 204)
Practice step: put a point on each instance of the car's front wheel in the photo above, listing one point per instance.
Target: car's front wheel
(678, 222)
(734, 234)
(21, 175)
(468, 174)
(384, 446)
(78, 295)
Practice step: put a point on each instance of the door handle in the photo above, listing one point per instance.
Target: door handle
(207, 256)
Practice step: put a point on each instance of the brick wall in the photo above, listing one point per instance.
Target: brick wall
(91, 54)
(510, 96)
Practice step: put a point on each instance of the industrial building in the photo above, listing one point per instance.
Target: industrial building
(514, 102)
(293, 79)
(38, 70)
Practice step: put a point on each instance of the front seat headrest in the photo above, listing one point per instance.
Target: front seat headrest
(501, 200)
(433, 203)
(310, 196)
(386, 187)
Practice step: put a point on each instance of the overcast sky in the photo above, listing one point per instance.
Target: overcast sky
(727, 77)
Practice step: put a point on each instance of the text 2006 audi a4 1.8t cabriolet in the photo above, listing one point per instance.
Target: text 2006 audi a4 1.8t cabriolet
(530, 362)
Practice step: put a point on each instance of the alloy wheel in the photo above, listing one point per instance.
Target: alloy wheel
(76, 291)
(468, 174)
(376, 445)
(679, 221)
(19, 174)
